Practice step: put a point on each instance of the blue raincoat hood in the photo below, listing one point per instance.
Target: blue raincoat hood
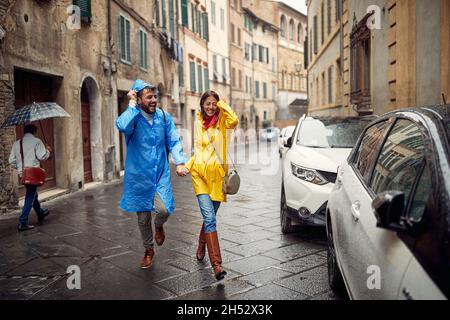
(139, 84)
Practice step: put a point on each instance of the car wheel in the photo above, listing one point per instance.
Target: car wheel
(285, 221)
(335, 279)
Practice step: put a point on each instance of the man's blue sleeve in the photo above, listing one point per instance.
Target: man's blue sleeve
(173, 142)
(126, 121)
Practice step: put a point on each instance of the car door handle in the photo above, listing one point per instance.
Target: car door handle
(355, 210)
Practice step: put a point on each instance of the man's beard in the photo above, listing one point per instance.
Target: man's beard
(149, 108)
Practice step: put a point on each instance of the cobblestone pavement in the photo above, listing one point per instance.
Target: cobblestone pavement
(89, 230)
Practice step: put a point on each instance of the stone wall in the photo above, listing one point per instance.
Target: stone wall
(8, 196)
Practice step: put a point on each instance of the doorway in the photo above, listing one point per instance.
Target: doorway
(86, 134)
(28, 88)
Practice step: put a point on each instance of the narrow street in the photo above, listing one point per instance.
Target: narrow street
(89, 230)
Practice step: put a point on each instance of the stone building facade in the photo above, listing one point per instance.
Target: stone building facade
(85, 61)
(392, 53)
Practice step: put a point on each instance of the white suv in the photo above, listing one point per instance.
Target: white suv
(316, 149)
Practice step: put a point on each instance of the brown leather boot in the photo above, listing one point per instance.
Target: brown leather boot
(201, 250)
(212, 241)
(147, 261)
(159, 235)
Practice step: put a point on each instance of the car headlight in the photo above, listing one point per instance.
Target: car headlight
(307, 174)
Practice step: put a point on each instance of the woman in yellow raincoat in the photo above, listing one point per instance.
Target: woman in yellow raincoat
(208, 166)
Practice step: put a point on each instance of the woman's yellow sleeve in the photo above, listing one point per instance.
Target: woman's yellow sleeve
(230, 117)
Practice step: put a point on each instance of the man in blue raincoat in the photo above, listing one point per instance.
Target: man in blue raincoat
(150, 133)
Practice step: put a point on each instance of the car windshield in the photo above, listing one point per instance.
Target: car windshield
(330, 133)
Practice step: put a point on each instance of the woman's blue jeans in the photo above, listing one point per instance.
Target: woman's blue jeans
(208, 209)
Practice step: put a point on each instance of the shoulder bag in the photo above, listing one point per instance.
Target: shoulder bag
(231, 181)
(31, 176)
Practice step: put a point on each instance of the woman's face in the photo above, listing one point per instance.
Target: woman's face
(209, 106)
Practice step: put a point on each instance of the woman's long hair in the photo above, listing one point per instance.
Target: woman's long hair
(205, 96)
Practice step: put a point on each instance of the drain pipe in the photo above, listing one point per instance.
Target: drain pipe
(111, 147)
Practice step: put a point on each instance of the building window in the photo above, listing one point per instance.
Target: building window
(330, 82)
(239, 36)
(283, 26)
(328, 16)
(255, 52)
(274, 92)
(192, 75)
(338, 10)
(248, 23)
(247, 52)
(323, 92)
(240, 79)
(322, 25)
(273, 65)
(338, 81)
(222, 19)
(143, 61)
(184, 13)
(124, 39)
(215, 71)
(224, 70)
(315, 34)
(265, 115)
(213, 12)
(181, 70)
(300, 34)
(264, 90)
(360, 64)
(291, 30)
(85, 9)
(232, 33)
(257, 89)
(200, 78)
(206, 72)
(172, 18)
(261, 53)
(233, 77)
(205, 33)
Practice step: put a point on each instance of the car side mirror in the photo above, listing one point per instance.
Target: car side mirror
(389, 207)
(288, 143)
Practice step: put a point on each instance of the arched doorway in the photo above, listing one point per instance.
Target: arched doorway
(32, 87)
(90, 103)
(86, 134)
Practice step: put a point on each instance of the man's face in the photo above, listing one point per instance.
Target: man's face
(148, 100)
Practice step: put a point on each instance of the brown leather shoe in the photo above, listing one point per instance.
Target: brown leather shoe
(212, 241)
(201, 250)
(159, 236)
(147, 261)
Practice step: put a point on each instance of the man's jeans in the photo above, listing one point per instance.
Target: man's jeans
(31, 201)
(145, 221)
(208, 208)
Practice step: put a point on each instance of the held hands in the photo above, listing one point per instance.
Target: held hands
(182, 171)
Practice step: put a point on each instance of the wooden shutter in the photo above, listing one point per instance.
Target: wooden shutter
(184, 13)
